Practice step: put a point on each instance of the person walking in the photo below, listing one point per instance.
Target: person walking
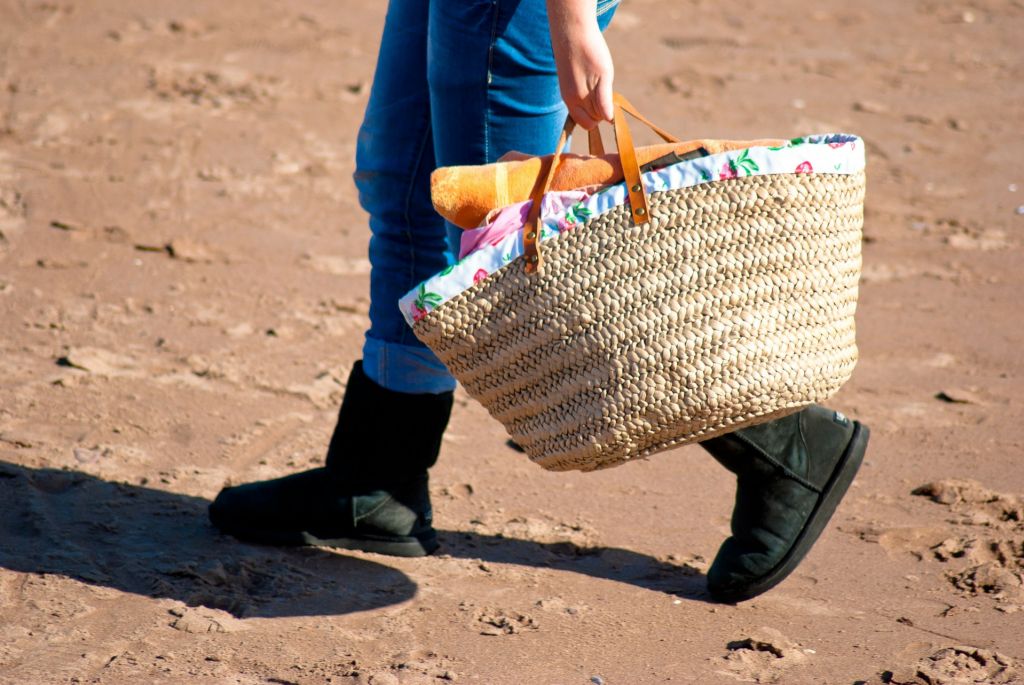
(461, 82)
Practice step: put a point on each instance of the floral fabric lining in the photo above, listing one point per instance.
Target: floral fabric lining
(831, 154)
(507, 220)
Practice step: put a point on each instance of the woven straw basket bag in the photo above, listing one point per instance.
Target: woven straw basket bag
(671, 318)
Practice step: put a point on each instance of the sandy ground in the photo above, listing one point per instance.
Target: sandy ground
(183, 284)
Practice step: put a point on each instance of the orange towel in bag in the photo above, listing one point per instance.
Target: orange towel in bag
(465, 194)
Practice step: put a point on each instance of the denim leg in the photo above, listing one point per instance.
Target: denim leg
(394, 158)
(493, 83)
(457, 82)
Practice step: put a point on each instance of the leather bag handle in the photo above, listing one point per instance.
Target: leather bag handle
(594, 142)
(630, 171)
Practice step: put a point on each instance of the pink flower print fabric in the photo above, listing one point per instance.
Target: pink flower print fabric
(425, 301)
(507, 220)
(733, 167)
(499, 223)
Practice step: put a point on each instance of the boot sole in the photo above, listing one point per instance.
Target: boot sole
(404, 546)
(831, 495)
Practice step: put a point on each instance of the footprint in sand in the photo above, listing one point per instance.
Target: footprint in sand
(991, 542)
(955, 666)
(547, 530)
(421, 666)
(985, 241)
(557, 605)
(100, 362)
(982, 541)
(414, 667)
(215, 88)
(763, 656)
(143, 30)
(503, 622)
(203, 620)
(13, 212)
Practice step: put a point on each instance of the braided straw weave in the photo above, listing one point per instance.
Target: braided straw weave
(733, 305)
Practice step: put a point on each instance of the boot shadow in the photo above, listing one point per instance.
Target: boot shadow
(160, 544)
(608, 563)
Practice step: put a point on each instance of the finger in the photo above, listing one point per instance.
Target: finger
(582, 118)
(589, 107)
(601, 100)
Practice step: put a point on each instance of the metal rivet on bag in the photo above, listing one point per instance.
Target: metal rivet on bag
(636, 188)
(640, 211)
(531, 235)
(534, 259)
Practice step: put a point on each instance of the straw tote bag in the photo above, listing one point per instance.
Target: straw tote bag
(675, 316)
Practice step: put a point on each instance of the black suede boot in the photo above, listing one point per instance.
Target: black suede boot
(791, 475)
(371, 495)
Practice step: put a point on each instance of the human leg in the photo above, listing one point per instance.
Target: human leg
(372, 493)
(394, 159)
(493, 83)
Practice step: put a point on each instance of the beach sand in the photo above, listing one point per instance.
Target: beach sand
(183, 288)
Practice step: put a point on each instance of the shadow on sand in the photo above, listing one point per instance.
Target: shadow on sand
(160, 544)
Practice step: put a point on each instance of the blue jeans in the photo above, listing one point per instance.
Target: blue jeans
(457, 82)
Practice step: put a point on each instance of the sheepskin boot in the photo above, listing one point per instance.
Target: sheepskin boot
(791, 474)
(372, 493)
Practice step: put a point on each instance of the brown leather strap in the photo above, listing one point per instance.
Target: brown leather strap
(531, 230)
(594, 141)
(630, 170)
(630, 167)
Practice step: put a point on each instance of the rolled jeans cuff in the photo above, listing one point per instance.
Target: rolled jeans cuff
(405, 368)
